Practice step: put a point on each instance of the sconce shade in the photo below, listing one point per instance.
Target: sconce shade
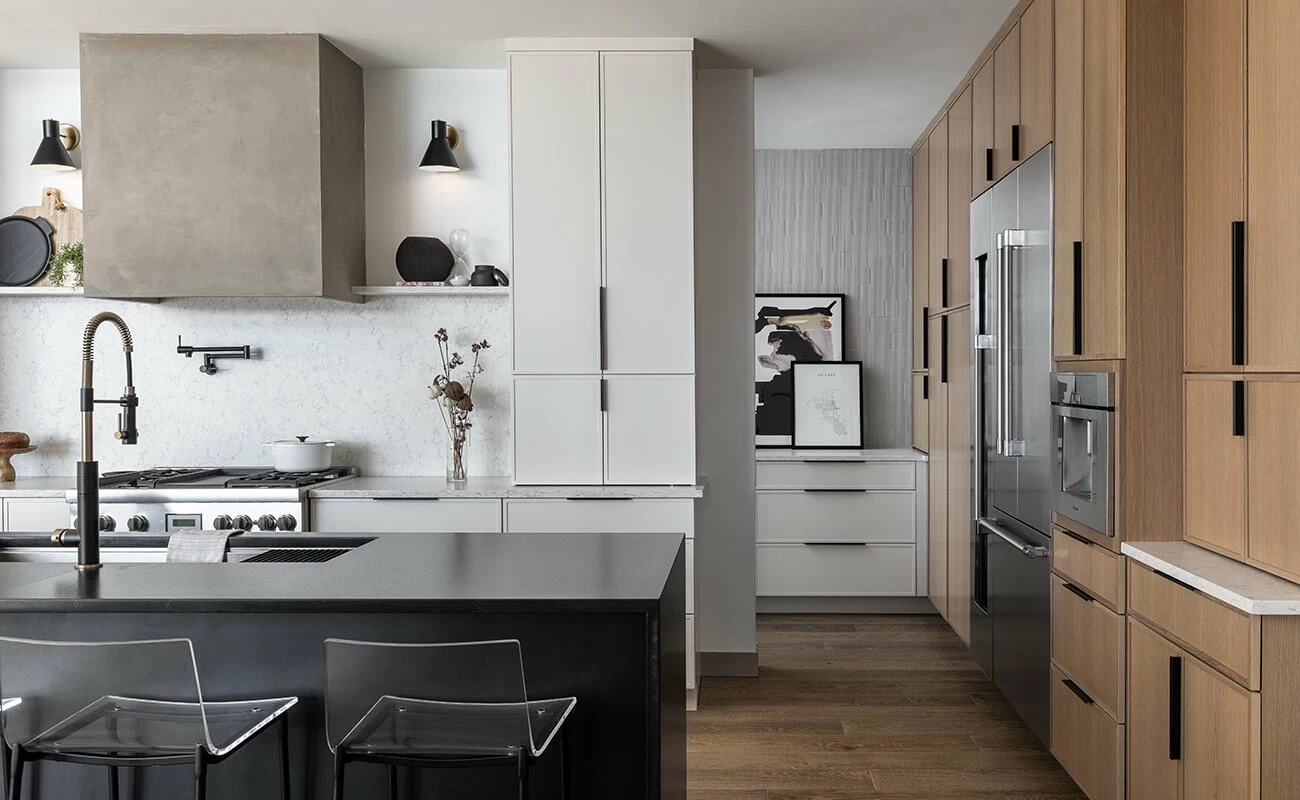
(438, 157)
(52, 154)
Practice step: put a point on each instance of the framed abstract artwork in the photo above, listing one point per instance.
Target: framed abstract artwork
(828, 405)
(789, 328)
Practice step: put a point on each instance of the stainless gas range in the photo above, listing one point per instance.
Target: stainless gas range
(171, 499)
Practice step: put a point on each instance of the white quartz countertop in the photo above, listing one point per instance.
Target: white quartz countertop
(37, 487)
(489, 487)
(895, 454)
(1240, 586)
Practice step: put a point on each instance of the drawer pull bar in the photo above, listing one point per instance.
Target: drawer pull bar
(381, 499)
(833, 461)
(835, 491)
(1081, 594)
(835, 544)
(1175, 708)
(1172, 579)
(1079, 693)
(595, 499)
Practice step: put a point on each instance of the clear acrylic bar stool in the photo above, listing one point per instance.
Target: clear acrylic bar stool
(462, 704)
(123, 704)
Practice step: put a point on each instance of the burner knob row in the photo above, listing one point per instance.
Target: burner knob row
(241, 522)
(137, 523)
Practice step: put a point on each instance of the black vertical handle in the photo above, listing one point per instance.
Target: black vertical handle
(982, 262)
(1015, 142)
(925, 337)
(1175, 708)
(1078, 298)
(604, 396)
(943, 286)
(988, 165)
(943, 350)
(925, 387)
(1238, 293)
(1238, 408)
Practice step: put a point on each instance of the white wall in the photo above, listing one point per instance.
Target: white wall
(401, 200)
(724, 267)
(355, 373)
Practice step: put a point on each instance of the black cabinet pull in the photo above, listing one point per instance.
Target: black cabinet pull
(1238, 293)
(1238, 408)
(1175, 708)
(1078, 298)
(1081, 594)
(943, 349)
(1015, 142)
(925, 387)
(1172, 579)
(835, 491)
(925, 337)
(604, 396)
(596, 499)
(943, 286)
(981, 265)
(834, 544)
(988, 165)
(1079, 693)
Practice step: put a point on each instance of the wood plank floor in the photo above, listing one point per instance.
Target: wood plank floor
(876, 707)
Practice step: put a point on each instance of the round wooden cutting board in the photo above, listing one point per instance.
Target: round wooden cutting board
(65, 219)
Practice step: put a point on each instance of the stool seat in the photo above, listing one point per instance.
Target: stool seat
(435, 727)
(130, 726)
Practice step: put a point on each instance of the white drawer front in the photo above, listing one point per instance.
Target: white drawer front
(798, 570)
(447, 515)
(691, 657)
(600, 516)
(37, 514)
(837, 475)
(836, 516)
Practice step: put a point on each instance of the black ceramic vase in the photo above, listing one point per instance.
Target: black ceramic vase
(424, 259)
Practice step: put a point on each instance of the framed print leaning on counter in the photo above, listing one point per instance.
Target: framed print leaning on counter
(828, 405)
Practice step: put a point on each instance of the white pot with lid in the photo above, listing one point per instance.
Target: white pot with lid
(300, 455)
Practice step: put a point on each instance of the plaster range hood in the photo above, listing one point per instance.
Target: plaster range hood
(222, 166)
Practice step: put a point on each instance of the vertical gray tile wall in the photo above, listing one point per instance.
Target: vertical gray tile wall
(840, 221)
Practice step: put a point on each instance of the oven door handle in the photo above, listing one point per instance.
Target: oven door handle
(1026, 549)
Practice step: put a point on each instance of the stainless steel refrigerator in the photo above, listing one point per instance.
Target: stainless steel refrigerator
(1011, 317)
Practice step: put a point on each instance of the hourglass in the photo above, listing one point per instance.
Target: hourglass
(458, 241)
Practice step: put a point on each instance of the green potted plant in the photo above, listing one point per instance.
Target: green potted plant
(67, 265)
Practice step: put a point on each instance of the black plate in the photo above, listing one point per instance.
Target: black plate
(25, 250)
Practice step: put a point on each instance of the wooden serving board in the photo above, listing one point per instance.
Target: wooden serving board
(65, 219)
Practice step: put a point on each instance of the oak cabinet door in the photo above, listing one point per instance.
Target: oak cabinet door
(921, 411)
(555, 211)
(1006, 104)
(1220, 735)
(938, 471)
(938, 257)
(1273, 186)
(1273, 474)
(1151, 771)
(1214, 473)
(959, 155)
(1214, 137)
(1067, 181)
(959, 472)
(920, 254)
(981, 164)
(1036, 80)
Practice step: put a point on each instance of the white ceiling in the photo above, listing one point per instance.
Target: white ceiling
(831, 73)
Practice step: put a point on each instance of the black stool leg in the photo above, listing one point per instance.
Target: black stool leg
(523, 774)
(392, 782)
(284, 757)
(112, 783)
(338, 775)
(200, 773)
(16, 772)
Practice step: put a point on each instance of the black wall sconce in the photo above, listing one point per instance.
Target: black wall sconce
(56, 141)
(438, 156)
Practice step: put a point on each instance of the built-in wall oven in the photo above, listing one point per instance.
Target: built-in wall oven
(1083, 417)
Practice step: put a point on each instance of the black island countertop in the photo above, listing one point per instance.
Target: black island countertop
(386, 572)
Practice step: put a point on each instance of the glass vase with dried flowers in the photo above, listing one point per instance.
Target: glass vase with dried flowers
(455, 402)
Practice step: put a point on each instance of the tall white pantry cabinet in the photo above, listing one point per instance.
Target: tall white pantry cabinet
(602, 187)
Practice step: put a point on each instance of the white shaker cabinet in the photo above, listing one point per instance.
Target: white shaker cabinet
(602, 178)
(555, 211)
(42, 514)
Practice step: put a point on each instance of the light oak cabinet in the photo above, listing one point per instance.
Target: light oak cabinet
(1037, 88)
(921, 411)
(938, 262)
(920, 256)
(937, 519)
(1214, 471)
(982, 131)
(959, 185)
(1153, 770)
(1006, 104)
(959, 458)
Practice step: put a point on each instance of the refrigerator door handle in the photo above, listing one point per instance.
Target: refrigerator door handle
(1000, 401)
(1026, 549)
(1008, 241)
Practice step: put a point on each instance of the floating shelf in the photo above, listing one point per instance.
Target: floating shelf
(42, 291)
(434, 291)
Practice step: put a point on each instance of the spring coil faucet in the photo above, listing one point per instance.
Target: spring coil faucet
(87, 467)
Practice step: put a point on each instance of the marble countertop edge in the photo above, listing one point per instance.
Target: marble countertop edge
(1241, 586)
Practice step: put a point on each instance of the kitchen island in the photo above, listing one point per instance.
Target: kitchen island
(599, 616)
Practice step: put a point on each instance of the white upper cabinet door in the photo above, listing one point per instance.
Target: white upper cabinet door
(555, 211)
(649, 324)
(557, 430)
(650, 429)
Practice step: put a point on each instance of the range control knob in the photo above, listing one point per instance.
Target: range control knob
(107, 523)
(243, 522)
(266, 522)
(137, 522)
(222, 523)
(286, 522)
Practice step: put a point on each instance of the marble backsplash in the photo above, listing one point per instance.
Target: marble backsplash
(353, 373)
